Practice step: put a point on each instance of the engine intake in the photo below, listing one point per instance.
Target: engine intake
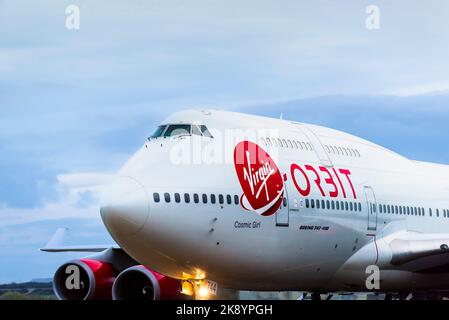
(141, 283)
(84, 279)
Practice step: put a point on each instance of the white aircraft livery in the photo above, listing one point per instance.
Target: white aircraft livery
(218, 199)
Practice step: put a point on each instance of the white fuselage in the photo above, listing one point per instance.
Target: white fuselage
(301, 247)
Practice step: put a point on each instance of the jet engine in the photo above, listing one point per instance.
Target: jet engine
(141, 283)
(84, 279)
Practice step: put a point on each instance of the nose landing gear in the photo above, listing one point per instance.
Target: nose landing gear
(200, 289)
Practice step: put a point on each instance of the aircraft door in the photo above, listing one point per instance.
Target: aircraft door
(283, 215)
(371, 203)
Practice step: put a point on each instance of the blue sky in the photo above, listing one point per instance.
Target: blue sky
(75, 104)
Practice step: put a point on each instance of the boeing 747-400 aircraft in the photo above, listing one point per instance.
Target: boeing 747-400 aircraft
(217, 199)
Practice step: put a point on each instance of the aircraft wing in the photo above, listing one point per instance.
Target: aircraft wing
(95, 248)
(55, 245)
(419, 252)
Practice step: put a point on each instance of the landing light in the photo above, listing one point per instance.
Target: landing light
(203, 292)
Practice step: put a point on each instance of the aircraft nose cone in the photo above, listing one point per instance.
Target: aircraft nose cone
(125, 206)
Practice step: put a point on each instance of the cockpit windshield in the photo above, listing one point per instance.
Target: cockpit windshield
(178, 130)
(174, 130)
(159, 131)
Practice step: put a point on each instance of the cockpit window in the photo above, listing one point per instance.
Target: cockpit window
(205, 132)
(174, 130)
(159, 131)
(177, 130)
(196, 130)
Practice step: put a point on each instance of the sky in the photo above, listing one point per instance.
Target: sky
(75, 104)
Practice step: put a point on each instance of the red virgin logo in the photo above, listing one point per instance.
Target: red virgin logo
(260, 178)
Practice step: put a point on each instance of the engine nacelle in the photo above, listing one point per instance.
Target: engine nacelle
(84, 279)
(141, 283)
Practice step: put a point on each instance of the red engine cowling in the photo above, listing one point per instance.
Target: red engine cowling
(84, 279)
(141, 283)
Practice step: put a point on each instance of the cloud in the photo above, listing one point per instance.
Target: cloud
(78, 198)
(423, 89)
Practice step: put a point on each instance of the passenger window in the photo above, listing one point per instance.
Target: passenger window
(360, 207)
(156, 197)
(328, 205)
(221, 199)
(337, 205)
(340, 152)
(204, 198)
(236, 200)
(213, 199)
(323, 204)
(186, 198)
(290, 145)
(351, 206)
(167, 197)
(280, 143)
(159, 131)
(229, 199)
(318, 204)
(284, 143)
(307, 203)
(269, 142)
(177, 198)
(178, 130)
(312, 203)
(196, 130)
(206, 132)
(333, 205)
(196, 198)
